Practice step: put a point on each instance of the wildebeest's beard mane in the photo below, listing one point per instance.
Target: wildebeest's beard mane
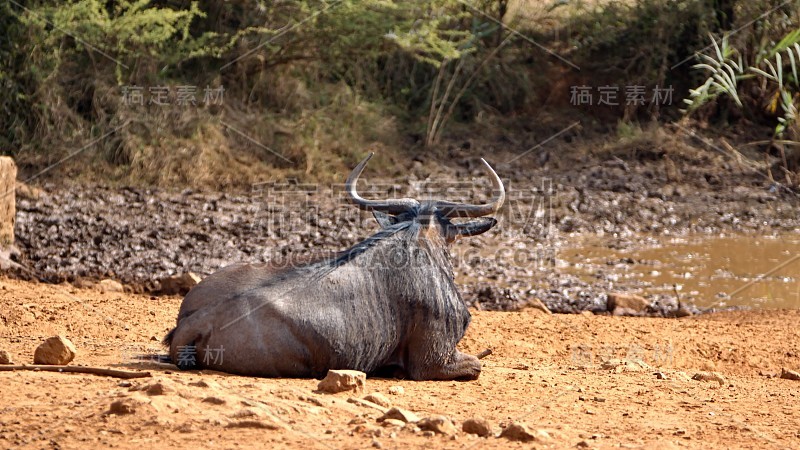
(401, 249)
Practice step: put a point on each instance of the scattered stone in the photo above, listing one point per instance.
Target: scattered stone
(108, 285)
(709, 376)
(621, 304)
(5, 357)
(582, 444)
(206, 384)
(378, 399)
(376, 443)
(393, 423)
(122, 407)
(343, 380)
(438, 424)
(367, 403)
(477, 425)
(790, 374)
(84, 283)
(260, 424)
(28, 192)
(518, 432)
(128, 405)
(397, 390)
(56, 350)
(399, 414)
(537, 304)
(179, 284)
(215, 400)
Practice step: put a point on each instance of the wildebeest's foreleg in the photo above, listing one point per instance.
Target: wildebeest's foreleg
(429, 361)
(462, 367)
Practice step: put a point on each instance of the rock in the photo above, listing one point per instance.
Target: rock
(122, 407)
(179, 284)
(393, 423)
(56, 350)
(620, 304)
(790, 374)
(130, 405)
(709, 376)
(8, 180)
(438, 424)
(343, 380)
(84, 283)
(518, 432)
(215, 400)
(367, 403)
(206, 384)
(108, 285)
(259, 424)
(537, 304)
(397, 390)
(157, 387)
(5, 357)
(28, 192)
(399, 414)
(477, 425)
(378, 399)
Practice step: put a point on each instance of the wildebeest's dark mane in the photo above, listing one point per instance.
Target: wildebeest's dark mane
(370, 242)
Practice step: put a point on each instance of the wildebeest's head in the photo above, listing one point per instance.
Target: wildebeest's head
(433, 216)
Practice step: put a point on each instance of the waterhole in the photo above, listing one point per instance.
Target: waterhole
(721, 271)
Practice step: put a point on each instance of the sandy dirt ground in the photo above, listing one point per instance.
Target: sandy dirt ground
(576, 381)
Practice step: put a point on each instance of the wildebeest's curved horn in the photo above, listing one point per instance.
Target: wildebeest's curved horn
(450, 209)
(394, 206)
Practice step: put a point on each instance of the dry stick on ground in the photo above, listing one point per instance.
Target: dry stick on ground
(78, 369)
(484, 353)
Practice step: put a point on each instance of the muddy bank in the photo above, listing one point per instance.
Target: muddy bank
(138, 236)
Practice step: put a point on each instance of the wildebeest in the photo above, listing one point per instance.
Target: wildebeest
(388, 303)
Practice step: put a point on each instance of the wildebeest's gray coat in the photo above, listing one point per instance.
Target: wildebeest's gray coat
(389, 301)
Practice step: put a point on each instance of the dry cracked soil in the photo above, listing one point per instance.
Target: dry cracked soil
(574, 381)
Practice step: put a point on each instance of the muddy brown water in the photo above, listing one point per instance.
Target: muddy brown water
(719, 271)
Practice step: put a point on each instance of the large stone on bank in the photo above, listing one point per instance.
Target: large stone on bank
(788, 374)
(520, 432)
(56, 350)
(109, 285)
(438, 424)
(621, 304)
(343, 380)
(8, 181)
(378, 399)
(400, 414)
(477, 425)
(5, 357)
(179, 284)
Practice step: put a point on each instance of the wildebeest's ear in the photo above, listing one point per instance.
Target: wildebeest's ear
(384, 220)
(475, 227)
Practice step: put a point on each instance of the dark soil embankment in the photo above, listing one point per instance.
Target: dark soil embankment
(138, 236)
